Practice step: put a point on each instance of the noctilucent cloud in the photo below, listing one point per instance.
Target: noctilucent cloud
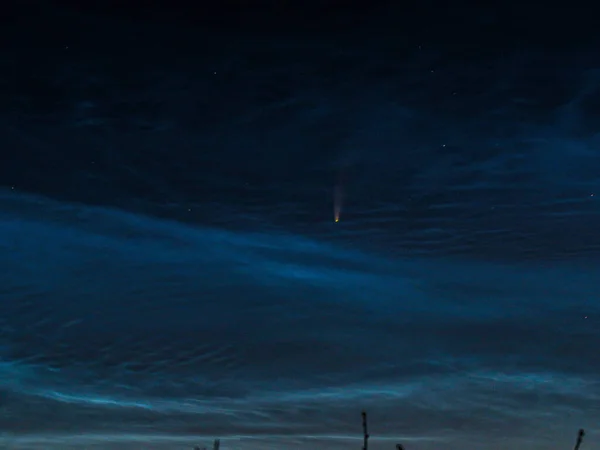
(211, 234)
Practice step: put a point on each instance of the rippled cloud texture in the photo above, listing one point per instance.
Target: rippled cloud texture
(129, 328)
(170, 269)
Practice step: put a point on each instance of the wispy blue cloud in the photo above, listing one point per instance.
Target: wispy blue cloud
(115, 320)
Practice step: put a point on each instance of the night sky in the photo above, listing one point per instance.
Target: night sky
(254, 220)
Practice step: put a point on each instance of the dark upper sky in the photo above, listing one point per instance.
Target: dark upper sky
(170, 268)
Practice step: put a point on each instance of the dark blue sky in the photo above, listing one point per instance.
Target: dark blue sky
(170, 269)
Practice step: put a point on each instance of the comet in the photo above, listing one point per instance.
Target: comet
(338, 198)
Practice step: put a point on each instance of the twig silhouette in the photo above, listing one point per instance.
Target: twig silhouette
(365, 433)
(216, 445)
(580, 436)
